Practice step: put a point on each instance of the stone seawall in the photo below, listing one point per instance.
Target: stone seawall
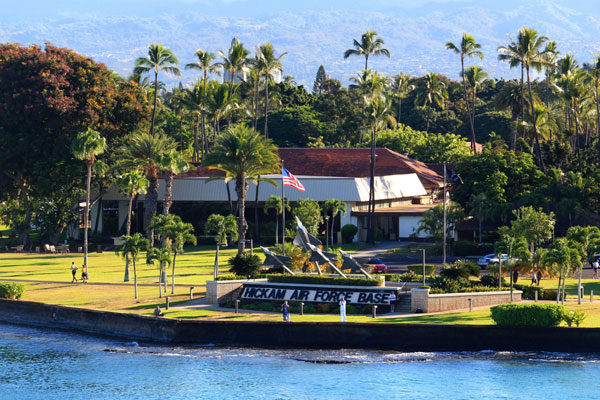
(422, 301)
(382, 336)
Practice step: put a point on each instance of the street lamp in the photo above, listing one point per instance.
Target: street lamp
(327, 232)
(251, 241)
(216, 269)
(422, 260)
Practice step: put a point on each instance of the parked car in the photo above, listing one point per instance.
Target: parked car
(490, 259)
(377, 265)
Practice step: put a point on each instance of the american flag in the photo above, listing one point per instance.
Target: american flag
(291, 180)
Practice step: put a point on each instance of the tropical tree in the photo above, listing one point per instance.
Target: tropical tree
(588, 239)
(158, 59)
(533, 225)
(163, 256)
(243, 155)
(399, 87)
(509, 97)
(173, 163)
(528, 53)
(221, 227)
(87, 146)
(561, 257)
(479, 208)
(475, 78)
(333, 207)
(220, 105)
(131, 246)
(234, 61)
(130, 184)
(369, 45)
(431, 91)
(319, 81)
(194, 98)
(514, 246)
(178, 233)
(205, 64)
(468, 48)
(268, 64)
(146, 153)
(309, 212)
(274, 203)
(593, 77)
(549, 63)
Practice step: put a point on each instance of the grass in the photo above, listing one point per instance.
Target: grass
(412, 249)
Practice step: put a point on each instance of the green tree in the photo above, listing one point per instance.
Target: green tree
(468, 48)
(173, 163)
(593, 78)
(431, 91)
(588, 238)
(319, 80)
(194, 98)
(178, 233)
(268, 64)
(234, 61)
(131, 246)
(369, 45)
(561, 257)
(220, 105)
(333, 207)
(399, 87)
(130, 184)
(533, 225)
(163, 256)
(221, 227)
(158, 59)
(275, 203)
(515, 247)
(509, 97)
(87, 146)
(243, 155)
(309, 212)
(205, 64)
(433, 220)
(479, 209)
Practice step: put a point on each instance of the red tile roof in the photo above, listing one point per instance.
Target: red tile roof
(348, 162)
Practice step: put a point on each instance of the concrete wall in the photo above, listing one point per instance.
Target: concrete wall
(219, 292)
(320, 335)
(427, 303)
(407, 225)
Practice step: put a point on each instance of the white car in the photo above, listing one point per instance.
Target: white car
(491, 259)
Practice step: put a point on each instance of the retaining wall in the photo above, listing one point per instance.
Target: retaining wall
(427, 303)
(219, 292)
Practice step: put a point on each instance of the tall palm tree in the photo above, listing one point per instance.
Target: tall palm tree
(379, 115)
(573, 90)
(399, 87)
(146, 152)
(131, 246)
(369, 45)
(179, 233)
(431, 91)
(550, 57)
(528, 51)
(221, 227)
(163, 256)
(274, 203)
(475, 78)
(268, 64)
(193, 99)
(158, 59)
(234, 61)
(87, 146)
(369, 84)
(593, 77)
(588, 239)
(131, 184)
(561, 258)
(468, 48)
(509, 97)
(333, 206)
(220, 105)
(173, 163)
(207, 66)
(243, 155)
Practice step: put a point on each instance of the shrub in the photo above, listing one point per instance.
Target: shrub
(440, 284)
(491, 281)
(244, 264)
(461, 269)
(409, 276)
(229, 277)
(11, 290)
(348, 233)
(463, 248)
(529, 291)
(574, 317)
(549, 294)
(418, 269)
(325, 280)
(512, 314)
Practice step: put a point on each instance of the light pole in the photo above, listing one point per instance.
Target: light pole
(216, 268)
(251, 241)
(422, 261)
(327, 232)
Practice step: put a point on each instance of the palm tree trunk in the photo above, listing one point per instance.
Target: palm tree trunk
(513, 139)
(135, 280)
(577, 141)
(399, 109)
(563, 290)
(155, 103)
(522, 99)
(160, 274)
(255, 103)
(241, 188)
(371, 232)
(128, 232)
(87, 214)
(256, 233)
(538, 149)
(579, 286)
(151, 204)
(462, 68)
(173, 273)
(196, 152)
(229, 197)
(230, 95)
(168, 193)
(597, 112)
(558, 289)
(266, 104)
(203, 111)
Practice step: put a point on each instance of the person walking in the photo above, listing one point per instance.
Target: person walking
(533, 278)
(393, 302)
(84, 274)
(73, 271)
(285, 309)
(595, 266)
(342, 309)
(539, 277)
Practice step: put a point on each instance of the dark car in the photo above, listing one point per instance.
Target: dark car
(377, 265)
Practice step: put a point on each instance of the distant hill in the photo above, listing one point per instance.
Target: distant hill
(312, 32)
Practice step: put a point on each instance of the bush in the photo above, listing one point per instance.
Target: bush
(440, 284)
(512, 314)
(574, 317)
(348, 233)
(11, 290)
(418, 269)
(325, 280)
(409, 276)
(244, 264)
(460, 270)
(529, 291)
(549, 294)
(229, 277)
(463, 248)
(491, 281)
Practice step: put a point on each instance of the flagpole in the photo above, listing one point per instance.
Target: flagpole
(282, 212)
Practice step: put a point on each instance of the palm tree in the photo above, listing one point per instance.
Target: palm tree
(222, 227)
(268, 64)
(206, 65)
(234, 61)
(173, 163)
(158, 59)
(179, 233)
(588, 240)
(468, 48)
(480, 209)
(475, 78)
(528, 53)
(573, 90)
(561, 258)
(333, 206)
(131, 184)
(219, 103)
(163, 256)
(509, 97)
(379, 115)
(274, 203)
(431, 91)
(400, 87)
(131, 246)
(593, 77)
(193, 99)
(550, 56)
(145, 152)
(369, 84)
(87, 146)
(369, 45)
(243, 155)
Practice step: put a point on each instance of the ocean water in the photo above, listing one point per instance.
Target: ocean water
(46, 364)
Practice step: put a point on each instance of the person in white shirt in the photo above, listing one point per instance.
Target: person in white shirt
(393, 302)
(595, 265)
(342, 309)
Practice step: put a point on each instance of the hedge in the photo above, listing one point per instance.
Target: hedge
(512, 314)
(11, 290)
(464, 248)
(325, 280)
(418, 269)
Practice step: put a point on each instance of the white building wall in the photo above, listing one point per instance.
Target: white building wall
(407, 225)
(349, 219)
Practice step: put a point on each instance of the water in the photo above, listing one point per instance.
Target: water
(44, 364)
